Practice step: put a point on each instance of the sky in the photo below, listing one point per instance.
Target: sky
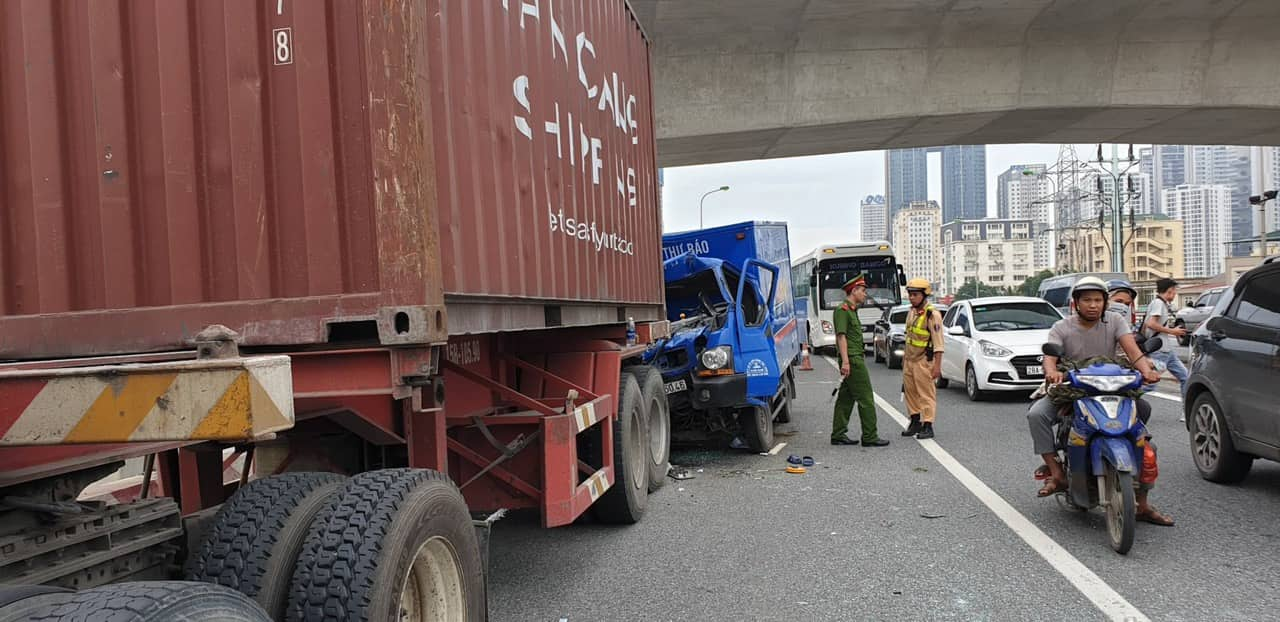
(817, 196)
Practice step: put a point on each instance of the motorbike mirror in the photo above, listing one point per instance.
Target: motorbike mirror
(1152, 345)
(1052, 349)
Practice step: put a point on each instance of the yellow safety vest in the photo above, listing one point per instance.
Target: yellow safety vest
(916, 333)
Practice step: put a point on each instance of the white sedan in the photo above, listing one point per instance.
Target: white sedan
(993, 344)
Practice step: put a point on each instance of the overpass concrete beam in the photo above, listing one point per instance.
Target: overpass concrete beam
(773, 78)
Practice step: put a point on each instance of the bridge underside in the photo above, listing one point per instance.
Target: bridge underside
(754, 79)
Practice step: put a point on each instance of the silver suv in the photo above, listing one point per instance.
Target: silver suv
(1191, 317)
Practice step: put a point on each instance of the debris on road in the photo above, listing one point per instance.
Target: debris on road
(681, 473)
(928, 515)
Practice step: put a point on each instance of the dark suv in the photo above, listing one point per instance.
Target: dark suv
(1235, 362)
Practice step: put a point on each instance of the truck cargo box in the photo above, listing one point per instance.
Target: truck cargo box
(311, 173)
(735, 244)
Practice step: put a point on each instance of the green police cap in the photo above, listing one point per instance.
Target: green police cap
(857, 281)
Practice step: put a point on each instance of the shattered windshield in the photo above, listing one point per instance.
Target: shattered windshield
(696, 295)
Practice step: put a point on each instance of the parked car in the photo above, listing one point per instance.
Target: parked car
(1191, 317)
(889, 337)
(993, 344)
(1235, 355)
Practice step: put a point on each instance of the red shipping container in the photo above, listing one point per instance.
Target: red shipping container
(313, 173)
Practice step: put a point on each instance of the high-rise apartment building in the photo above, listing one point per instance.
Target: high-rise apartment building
(916, 240)
(1175, 165)
(964, 182)
(964, 179)
(875, 218)
(992, 251)
(906, 173)
(1026, 192)
(1166, 164)
(1206, 220)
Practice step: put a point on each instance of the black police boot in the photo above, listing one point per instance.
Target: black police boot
(913, 427)
(926, 431)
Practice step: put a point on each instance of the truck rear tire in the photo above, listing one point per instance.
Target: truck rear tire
(657, 416)
(19, 602)
(254, 541)
(625, 501)
(155, 601)
(394, 544)
(756, 424)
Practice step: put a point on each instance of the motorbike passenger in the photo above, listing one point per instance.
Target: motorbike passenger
(1122, 295)
(1090, 332)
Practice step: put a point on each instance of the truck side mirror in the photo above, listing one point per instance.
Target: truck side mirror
(813, 281)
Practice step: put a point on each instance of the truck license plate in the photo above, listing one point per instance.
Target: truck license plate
(1035, 370)
(675, 386)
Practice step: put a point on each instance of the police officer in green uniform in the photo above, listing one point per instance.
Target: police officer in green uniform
(856, 387)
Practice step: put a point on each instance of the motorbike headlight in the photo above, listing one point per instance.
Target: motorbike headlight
(717, 357)
(1106, 384)
(994, 351)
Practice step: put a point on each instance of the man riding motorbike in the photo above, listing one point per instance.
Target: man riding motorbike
(1090, 332)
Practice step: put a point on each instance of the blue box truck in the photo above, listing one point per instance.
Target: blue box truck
(728, 367)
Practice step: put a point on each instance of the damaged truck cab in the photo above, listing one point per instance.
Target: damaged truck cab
(728, 365)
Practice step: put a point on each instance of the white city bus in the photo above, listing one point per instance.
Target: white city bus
(818, 275)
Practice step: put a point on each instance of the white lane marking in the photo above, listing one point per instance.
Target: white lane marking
(1103, 596)
(777, 448)
(1164, 396)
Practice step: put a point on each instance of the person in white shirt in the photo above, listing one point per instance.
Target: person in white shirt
(1158, 315)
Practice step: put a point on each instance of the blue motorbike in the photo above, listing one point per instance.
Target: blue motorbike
(1103, 442)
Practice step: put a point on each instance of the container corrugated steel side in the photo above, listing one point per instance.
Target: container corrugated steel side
(548, 183)
(268, 165)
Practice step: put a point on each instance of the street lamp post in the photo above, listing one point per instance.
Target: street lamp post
(1261, 202)
(704, 198)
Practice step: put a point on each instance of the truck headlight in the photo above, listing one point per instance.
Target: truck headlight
(717, 357)
(827, 328)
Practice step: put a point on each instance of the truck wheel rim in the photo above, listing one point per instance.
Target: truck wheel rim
(1208, 438)
(657, 431)
(433, 589)
(636, 470)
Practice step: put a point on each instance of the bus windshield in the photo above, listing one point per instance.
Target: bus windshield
(881, 274)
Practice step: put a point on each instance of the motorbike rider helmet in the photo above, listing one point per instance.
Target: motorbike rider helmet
(920, 285)
(1088, 284)
(1115, 285)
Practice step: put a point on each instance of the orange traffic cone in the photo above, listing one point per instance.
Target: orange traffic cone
(805, 364)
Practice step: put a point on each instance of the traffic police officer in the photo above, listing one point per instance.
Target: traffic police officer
(921, 359)
(856, 386)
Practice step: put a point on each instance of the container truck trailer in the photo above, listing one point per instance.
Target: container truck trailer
(333, 278)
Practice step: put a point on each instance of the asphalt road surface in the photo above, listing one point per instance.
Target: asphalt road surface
(948, 529)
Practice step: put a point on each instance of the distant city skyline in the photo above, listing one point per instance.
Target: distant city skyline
(820, 196)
